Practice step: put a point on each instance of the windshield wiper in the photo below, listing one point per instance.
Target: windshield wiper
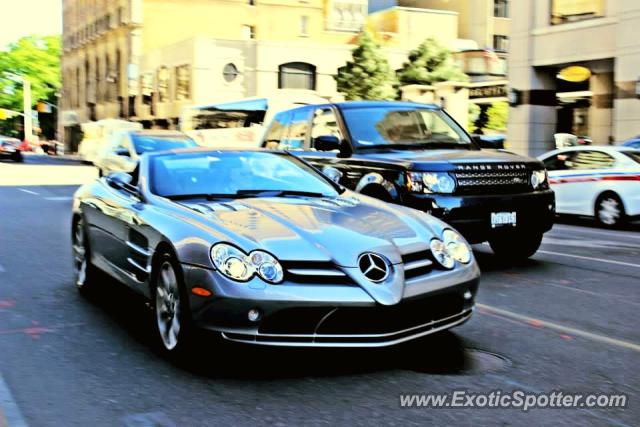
(208, 196)
(279, 193)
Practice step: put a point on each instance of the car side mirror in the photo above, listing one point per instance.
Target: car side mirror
(327, 143)
(119, 179)
(123, 152)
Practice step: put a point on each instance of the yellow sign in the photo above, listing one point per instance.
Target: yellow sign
(575, 74)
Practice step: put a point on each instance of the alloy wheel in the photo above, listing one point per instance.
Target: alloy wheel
(168, 306)
(80, 255)
(609, 211)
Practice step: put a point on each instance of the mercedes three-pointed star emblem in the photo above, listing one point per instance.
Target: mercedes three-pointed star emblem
(374, 267)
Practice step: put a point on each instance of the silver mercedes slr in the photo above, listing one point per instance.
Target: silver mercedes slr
(261, 248)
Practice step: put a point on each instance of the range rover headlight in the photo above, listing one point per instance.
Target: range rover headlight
(456, 246)
(539, 179)
(237, 265)
(431, 182)
(441, 254)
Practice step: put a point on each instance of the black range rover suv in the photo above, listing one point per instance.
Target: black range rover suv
(418, 156)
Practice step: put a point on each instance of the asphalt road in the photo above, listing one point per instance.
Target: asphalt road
(565, 320)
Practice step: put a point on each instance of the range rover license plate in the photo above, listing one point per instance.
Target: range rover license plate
(500, 219)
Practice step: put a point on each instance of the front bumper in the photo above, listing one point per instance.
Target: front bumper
(329, 315)
(471, 214)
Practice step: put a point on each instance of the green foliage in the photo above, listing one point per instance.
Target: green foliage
(35, 58)
(369, 75)
(498, 116)
(494, 118)
(429, 63)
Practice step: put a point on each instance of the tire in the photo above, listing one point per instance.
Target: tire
(172, 316)
(609, 210)
(515, 246)
(17, 157)
(86, 275)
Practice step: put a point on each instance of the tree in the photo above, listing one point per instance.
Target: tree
(38, 60)
(429, 63)
(369, 75)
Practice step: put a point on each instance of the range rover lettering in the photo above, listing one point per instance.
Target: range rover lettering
(416, 155)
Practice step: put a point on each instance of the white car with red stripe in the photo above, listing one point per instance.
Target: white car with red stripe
(598, 181)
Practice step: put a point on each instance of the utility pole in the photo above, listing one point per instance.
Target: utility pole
(28, 118)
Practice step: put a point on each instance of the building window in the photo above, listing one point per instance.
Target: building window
(297, 75)
(500, 43)
(304, 26)
(346, 16)
(248, 32)
(163, 84)
(183, 82)
(230, 72)
(565, 11)
(501, 8)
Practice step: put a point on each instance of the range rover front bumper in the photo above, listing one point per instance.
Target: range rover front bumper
(471, 214)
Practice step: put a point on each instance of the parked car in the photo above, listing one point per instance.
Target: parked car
(633, 142)
(261, 248)
(418, 156)
(10, 148)
(598, 181)
(124, 148)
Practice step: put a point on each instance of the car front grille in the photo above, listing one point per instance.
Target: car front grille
(417, 264)
(315, 272)
(376, 319)
(493, 181)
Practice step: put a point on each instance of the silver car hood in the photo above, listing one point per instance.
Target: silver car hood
(321, 229)
(337, 230)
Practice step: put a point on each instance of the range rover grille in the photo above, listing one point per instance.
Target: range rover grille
(493, 181)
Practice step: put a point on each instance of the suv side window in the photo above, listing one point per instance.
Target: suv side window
(589, 159)
(324, 123)
(297, 131)
(276, 131)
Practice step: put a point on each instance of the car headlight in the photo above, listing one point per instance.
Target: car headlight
(237, 265)
(456, 246)
(267, 267)
(539, 179)
(430, 182)
(441, 254)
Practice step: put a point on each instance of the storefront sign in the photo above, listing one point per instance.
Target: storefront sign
(574, 74)
(481, 92)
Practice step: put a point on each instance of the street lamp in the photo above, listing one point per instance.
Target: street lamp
(26, 101)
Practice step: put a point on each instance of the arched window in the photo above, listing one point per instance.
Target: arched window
(297, 75)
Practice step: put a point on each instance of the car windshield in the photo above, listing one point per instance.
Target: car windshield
(145, 143)
(634, 155)
(404, 127)
(223, 174)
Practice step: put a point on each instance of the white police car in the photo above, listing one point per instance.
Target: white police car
(598, 181)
